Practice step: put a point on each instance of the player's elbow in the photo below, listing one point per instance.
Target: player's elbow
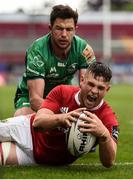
(35, 103)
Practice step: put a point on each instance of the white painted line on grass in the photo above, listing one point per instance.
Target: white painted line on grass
(98, 164)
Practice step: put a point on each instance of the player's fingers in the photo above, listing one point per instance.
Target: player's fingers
(85, 130)
(72, 118)
(77, 112)
(80, 110)
(84, 124)
(89, 114)
(68, 123)
(85, 118)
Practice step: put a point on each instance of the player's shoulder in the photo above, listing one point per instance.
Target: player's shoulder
(42, 40)
(79, 40)
(104, 108)
(79, 44)
(70, 87)
(106, 113)
(41, 45)
(107, 106)
(64, 93)
(64, 87)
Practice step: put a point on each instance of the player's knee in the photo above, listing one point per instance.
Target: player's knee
(6, 149)
(23, 111)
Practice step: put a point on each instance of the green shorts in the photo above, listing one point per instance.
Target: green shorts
(21, 99)
(22, 102)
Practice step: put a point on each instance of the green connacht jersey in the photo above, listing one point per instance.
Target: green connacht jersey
(41, 62)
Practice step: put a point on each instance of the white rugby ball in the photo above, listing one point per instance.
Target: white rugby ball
(79, 143)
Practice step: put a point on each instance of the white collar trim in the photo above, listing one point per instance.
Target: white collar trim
(97, 107)
(93, 109)
(77, 98)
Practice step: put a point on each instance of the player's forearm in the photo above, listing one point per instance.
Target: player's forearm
(107, 151)
(47, 121)
(36, 89)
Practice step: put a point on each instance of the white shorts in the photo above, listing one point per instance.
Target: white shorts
(17, 129)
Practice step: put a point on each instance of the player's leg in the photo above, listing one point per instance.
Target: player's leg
(12, 154)
(11, 129)
(23, 111)
(25, 156)
(17, 129)
(8, 154)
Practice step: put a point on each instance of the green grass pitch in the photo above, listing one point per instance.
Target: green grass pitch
(87, 167)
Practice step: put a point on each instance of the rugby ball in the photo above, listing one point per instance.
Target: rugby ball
(79, 143)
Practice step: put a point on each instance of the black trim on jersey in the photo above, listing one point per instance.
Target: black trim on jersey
(35, 77)
(115, 132)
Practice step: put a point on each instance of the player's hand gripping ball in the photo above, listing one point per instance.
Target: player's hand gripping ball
(79, 143)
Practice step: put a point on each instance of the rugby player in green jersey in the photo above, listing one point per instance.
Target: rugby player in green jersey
(52, 60)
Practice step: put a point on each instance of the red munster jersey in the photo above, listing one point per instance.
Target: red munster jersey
(50, 146)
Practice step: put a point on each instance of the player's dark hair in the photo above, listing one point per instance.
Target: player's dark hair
(100, 69)
(63, 12)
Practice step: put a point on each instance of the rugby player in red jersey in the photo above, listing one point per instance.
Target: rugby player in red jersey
(40, 138)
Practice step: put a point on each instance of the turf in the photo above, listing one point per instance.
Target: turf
(87, 167)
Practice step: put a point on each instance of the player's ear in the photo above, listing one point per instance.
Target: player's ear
(81, 80)
(76, 27)
(50, 27)
(81, 77)
(82, 74)
(108, 88)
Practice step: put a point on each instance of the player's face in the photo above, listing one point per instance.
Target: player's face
(62, 32)
(92, 90)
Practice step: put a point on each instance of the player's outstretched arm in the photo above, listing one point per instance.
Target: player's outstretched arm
(107, 149)
(107, 145)
(46, 119)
